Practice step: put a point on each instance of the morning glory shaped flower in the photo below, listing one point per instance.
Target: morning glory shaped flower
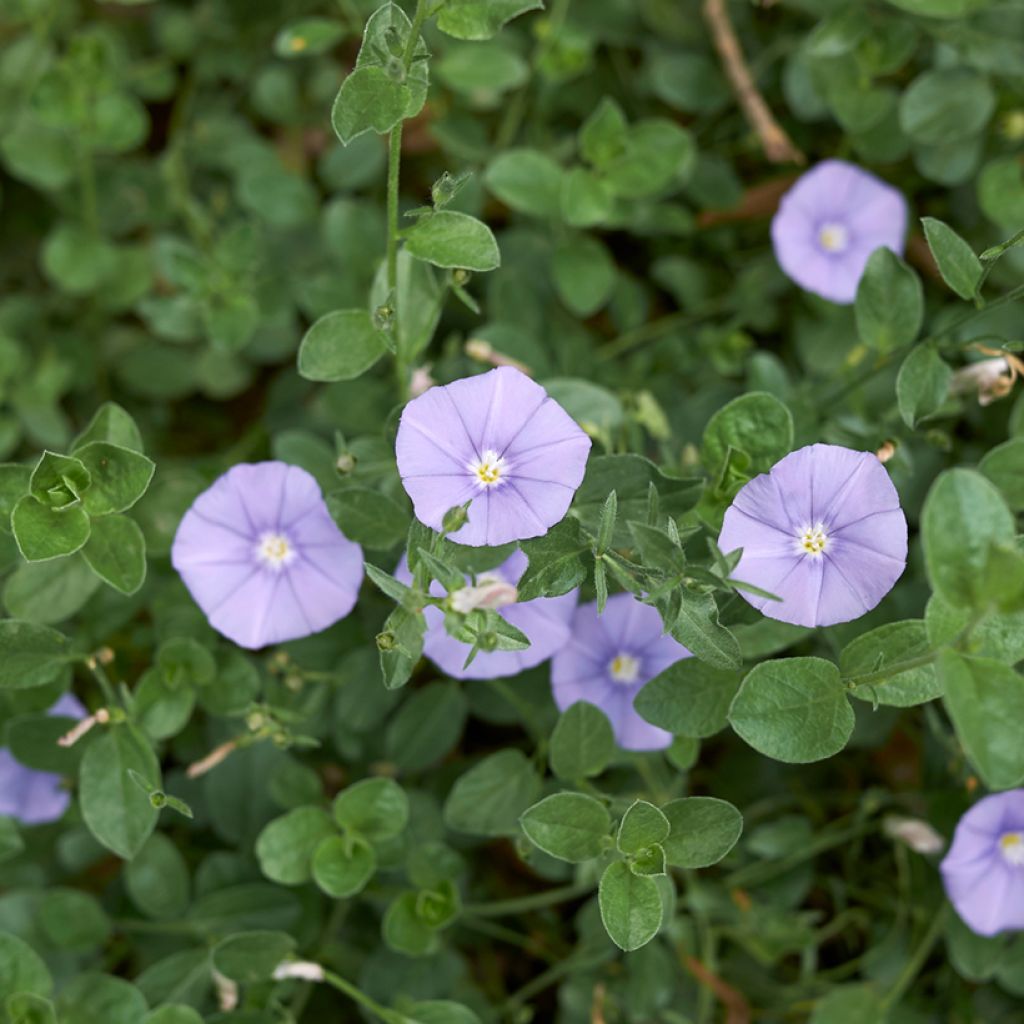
(609, 660)
(262, 557)
(983, 872)
(830, 222)
(498, 440)
(823, 531)
(34, 797)
(545, 621)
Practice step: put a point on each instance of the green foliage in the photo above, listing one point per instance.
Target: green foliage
(237, 232)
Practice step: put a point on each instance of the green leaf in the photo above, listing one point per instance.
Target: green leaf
(119, 814)
(43, 533)
(642, 825)
(341, 345)
(400, 645)
(404, 931)
(369, 100)
(703, 831)
(793, 710)
(890, 645)
(116, 552)
(985, 700)
(111, 424)
(49, 592)
(584, 274)
(387, 34)
(582, 743)
(692, 619)
(922, 384)
(481, 19)
(285, 846)
(569, 826)
(91, 997)
(850, 1004)
(28, 1008)
(757, 424)
(960, 267)
(73, 919)
(376, 808)
(77, 260)
(630, 904)
(250, 957)
(368, 517)
(1004, 466)
(489, 799)
(157, 879)
(172, 1013)
(946, 105)
(59, 481)
(963, 517)
(14, 483)
(343, 865)
(555, 566)
(31, 655)
(120, 477)
(439, 1011)
(690, 698)
(455, 240)
(889, 306)
(526, 180)
(21, 969)
(11, 843)
(426, 726)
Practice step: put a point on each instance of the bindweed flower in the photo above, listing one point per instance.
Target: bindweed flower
(823, 531)
(262, 557)
(984, 870)
(609, 660)
(545, 621)
(497, 440)
(34, 797)
(989, 379)
(830, 222)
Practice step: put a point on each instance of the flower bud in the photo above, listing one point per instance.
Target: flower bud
(491, 591)
(455, 518)
(915, 833)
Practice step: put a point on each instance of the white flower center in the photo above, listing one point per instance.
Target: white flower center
(274, 550)
(490, 470)
(833, 237)
(1011, 846)
(491, 591)
(811, 540)
(624, 668)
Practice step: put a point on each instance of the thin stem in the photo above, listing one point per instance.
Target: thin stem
(887, 672)
(524, 904)
(361, 998)
(99, 673)
(917, 960)
(654, 329)
(569, 965)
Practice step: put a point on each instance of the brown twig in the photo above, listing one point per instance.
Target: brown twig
(777, 145)
(737, 1009)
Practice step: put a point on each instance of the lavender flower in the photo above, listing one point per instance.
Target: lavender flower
(823, 531)
(983, 872)
(609, 660)
(498, 440)
(830, 222)
(34, 797)
(545, 621)
(262, 557)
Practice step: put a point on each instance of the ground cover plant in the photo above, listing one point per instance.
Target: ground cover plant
(509, 511)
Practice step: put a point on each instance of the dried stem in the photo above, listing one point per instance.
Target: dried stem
(737, 1010)
(777, 145)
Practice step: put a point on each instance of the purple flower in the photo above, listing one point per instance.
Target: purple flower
(545, 621)
(262, 557)
(609, 660)
(830, 222)
(498, 440)
(35, 797)
(823, 531)
(984, 869)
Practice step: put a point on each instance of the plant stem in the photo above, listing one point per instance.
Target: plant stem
(361, 998)
(394, 178)
(99, 673)
(654, 329)
(535, 901)
(917, 960)
(886, 672)
(569, 965)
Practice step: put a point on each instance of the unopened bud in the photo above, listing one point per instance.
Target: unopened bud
(395, 69)
(442, 191)
(917, 834)
(305, 970)
(487, 642)
(383, 316)
(345, 463)
(491, 591)
(421, 381)
(386, 641)
(484, 352)
(455, 519)
(886, 451)
(461, 276)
